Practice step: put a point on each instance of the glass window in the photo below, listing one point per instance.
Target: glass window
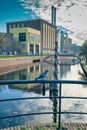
(38, 38)
(14, 26)
(22, 25)
(10, 26)
(18, 25)
(37, 67)
(31, 69)
(32, 48)
(22, 37)
(32, 37)
(37, 49)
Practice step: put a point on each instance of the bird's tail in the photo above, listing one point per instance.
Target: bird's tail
(36, 78)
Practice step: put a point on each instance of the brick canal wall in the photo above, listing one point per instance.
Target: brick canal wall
(13, 62)
(16, 63)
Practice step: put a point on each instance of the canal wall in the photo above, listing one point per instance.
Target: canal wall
(17, 63)
(13, 62)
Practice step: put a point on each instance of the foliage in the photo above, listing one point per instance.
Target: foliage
(83, 50)
(23, 128)
(49, 126)
(8, 57)
(4, 41)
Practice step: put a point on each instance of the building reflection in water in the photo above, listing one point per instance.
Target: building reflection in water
(30, 73)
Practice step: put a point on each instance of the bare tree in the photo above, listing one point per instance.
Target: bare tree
(4, 42)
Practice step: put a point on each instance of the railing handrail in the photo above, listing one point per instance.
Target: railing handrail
(3, 82)
(42, 97)
(60, 82)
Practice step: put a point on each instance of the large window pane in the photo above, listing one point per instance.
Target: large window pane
(32, 48)
(22, 37)
(37, 38)
(37, 49)
(32, 37)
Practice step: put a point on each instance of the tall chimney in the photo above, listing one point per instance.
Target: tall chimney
(55, 16)
(53, 20)
(52, 15)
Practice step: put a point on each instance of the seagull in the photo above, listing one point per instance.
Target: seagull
(42, 75)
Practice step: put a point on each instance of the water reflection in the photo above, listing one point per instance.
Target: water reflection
(64, 69)
(31, 72)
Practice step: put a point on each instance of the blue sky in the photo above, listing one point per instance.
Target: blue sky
(11, 10)
(71, 14)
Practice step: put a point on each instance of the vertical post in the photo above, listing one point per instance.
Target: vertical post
(44, 89)
(59, 123)
(56, 61)
(55, 85)
(56, 48)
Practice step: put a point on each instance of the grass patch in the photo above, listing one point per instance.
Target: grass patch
(52, 126)
(23, 128)
(10, 57)
(49, 126)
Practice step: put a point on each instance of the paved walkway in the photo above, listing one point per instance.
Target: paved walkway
(64, 126)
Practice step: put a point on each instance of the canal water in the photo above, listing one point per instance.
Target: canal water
(66, 71)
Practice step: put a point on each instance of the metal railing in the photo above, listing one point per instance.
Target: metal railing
(59, 97)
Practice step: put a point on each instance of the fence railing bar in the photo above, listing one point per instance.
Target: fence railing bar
(42, 113)
(26, 98)
(60, 90)
(74, 113)
(62, 97)
(72, 97)
(36, 113)
(60, 112)
(3, 82)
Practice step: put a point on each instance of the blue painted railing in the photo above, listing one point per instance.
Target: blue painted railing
(59, 82)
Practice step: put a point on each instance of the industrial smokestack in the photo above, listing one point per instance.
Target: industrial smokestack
(53, 20)
(52, 16)
(55, 16)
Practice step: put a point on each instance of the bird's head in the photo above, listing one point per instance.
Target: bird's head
(46, 71)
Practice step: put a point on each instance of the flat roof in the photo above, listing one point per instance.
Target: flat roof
(31, 20)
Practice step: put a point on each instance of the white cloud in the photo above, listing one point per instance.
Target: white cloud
(70, 14)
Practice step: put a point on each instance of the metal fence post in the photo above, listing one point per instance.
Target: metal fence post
(59, 121)
(43, 89)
